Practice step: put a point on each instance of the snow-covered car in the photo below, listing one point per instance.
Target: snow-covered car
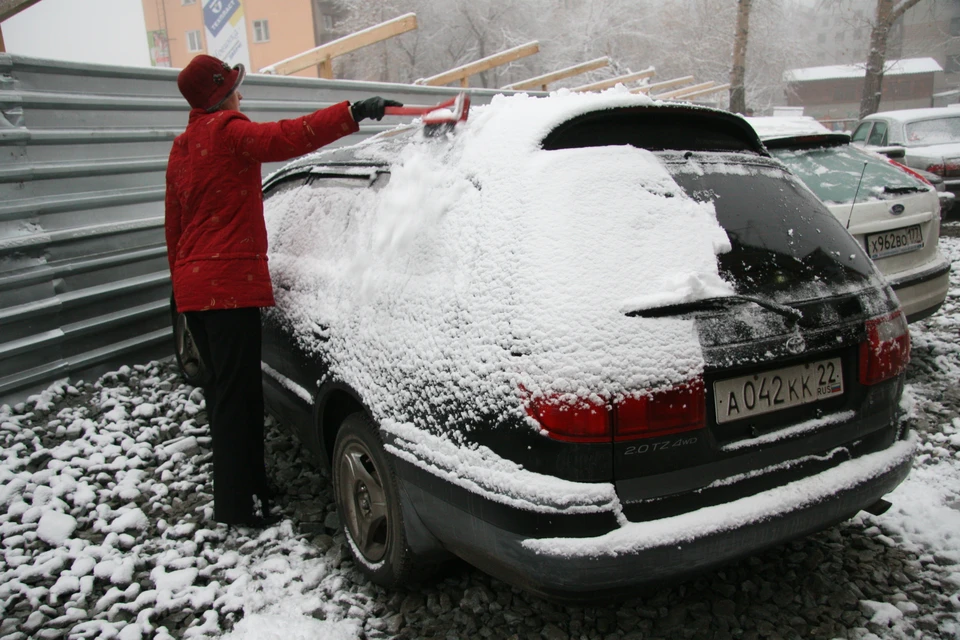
(891, 210)
(931, 138)
(584, 342)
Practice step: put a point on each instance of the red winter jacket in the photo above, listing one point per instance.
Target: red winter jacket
(216, 236)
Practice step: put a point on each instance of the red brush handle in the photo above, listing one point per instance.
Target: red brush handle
(417, 111)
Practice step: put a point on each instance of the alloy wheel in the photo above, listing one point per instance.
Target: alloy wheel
(364, 500)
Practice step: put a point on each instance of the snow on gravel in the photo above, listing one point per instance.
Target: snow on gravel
(106, 531)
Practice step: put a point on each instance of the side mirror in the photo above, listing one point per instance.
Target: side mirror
(892, 152)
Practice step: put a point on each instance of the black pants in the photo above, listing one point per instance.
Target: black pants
(229, 343)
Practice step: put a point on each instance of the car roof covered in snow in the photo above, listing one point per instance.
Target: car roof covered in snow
(515, 125)
(912, 115)
(783, 126)
(779, 131)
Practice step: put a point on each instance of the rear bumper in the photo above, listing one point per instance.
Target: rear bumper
(922, 292)
(634, 554)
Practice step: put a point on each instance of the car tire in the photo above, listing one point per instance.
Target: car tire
(192, 367)
(368, 502)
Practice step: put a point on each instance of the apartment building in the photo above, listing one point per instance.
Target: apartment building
(256, 33)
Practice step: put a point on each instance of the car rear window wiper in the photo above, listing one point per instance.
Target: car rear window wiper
(722, 302)
(906, 189)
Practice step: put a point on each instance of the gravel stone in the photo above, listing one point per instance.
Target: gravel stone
(553, 632)
(332, 521)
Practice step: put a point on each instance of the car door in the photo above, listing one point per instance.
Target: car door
(303, 213)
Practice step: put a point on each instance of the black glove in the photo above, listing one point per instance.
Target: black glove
(371, 108)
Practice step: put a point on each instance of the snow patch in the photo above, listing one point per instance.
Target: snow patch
(55, 528)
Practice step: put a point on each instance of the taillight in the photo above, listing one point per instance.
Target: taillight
(679, 408)
(886, 352)
(643, 415)
(572, 419)
(907, 169)
(946, 169)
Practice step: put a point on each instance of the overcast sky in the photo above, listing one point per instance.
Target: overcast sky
(100, 31)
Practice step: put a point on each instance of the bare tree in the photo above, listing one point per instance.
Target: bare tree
(888, 12)
(738, 93)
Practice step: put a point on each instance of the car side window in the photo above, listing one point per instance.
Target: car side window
(860, 135)
(878, 136)
(312, 217)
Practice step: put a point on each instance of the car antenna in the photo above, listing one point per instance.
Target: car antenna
(856, 193)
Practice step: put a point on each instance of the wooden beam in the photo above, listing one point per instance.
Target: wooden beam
(3, 47)
(10, 8)
(325, 68)
(548, 78)
(680, 92)
(323, 54)
(703, 92)
(666, 84)
(612, 82)
(463, 73)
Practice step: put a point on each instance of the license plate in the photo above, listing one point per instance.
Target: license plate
(769, 391)
(897, 241)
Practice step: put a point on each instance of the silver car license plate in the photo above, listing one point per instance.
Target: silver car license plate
(760, 393)
(894, 242)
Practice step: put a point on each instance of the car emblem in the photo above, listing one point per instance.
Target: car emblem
(897, 209)
(796, 344)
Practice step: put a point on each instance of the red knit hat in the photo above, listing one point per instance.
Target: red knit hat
(207, 81)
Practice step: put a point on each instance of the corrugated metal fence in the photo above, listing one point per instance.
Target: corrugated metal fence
(84, 285)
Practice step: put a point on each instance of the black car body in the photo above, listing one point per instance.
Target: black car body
(505, 349)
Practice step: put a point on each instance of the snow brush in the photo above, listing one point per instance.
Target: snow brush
(447, 113)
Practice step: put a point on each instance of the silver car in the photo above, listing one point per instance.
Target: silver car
(930, 137)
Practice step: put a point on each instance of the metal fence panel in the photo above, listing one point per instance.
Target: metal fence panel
(84, 284)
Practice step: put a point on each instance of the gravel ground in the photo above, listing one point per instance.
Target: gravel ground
(124, 465)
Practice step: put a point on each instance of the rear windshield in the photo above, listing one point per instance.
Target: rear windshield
(936, 131)
(833, 173)
(786, 244)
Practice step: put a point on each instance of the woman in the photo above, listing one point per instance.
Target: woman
(217, 250)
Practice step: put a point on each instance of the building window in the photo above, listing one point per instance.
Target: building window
(194, 43)
(821, 38)
(261, 30)
(327, 21)
(953, 64)
(955, 26)
(841, 36)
